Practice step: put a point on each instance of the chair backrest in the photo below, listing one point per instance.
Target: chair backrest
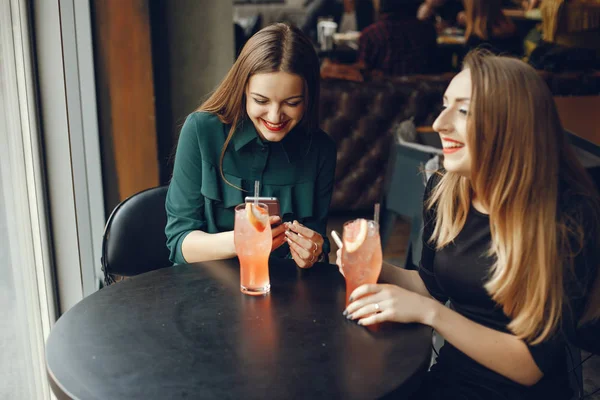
(403, 193)
(134, 238)
(406, 185)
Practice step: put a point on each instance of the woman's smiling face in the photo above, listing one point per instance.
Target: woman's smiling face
(451, 124)
(275, 102)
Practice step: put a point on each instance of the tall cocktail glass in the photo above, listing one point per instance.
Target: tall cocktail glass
(361, 254)
(252, 237)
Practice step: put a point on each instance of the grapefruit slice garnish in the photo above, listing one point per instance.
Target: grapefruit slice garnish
(257, 217)
(355, 234)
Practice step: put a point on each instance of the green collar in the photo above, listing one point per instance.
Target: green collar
(295, 144)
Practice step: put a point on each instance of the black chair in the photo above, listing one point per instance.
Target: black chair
(134, 238)
(403, 195)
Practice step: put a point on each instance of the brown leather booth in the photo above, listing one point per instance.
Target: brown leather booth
(362, 116)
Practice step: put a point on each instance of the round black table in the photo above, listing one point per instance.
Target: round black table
(188, 332)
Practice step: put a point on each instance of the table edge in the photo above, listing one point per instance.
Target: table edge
(56, 387)
(62, 393)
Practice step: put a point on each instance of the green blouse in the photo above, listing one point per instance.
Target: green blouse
(299, 171)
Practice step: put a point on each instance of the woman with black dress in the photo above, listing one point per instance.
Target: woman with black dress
(510, 240)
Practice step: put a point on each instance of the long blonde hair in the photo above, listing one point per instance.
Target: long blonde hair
(485, 18)
(275, 48)
(519, 154)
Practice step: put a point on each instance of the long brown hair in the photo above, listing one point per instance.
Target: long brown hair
(520, 154)
(485, 18)
(275, 48)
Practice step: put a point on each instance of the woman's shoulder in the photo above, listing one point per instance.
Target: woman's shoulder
(202, 131)
(580, 206)
(433, 181)
(205, 126)
(205, 119)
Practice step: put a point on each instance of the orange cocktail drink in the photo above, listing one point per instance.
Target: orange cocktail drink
(252, 237)
(361, 254)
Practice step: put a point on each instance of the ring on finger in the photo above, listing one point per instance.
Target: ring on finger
(377, 308)
(316, 248)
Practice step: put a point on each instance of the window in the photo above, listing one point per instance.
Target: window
(27, 302)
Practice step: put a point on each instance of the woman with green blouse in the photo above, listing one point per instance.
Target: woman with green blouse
(261, 124)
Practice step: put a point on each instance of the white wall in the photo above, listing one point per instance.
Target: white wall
(201, 51)
(71, 148)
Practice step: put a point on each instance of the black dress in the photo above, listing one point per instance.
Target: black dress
(457, 273)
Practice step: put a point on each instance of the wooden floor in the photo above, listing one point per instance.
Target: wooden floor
(395, 253)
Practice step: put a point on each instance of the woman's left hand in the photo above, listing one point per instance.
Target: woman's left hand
(306, 245)
(374, 303)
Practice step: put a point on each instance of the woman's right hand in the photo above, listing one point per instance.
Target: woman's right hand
(374, 303)
(278, 232)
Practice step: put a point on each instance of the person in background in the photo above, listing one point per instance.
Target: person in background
(448, 13)
(443, 13)
(239, 36)
(571, 29)
(398, 43)
(261, 123)
(510, 238)
(316, 9)
(365, 13)
(488, 27)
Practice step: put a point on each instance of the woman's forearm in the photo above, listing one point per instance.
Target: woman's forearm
(501, 352)
(201, 246)
(407, 279)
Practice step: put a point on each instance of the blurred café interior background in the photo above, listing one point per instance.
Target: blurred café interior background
(93, 94)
